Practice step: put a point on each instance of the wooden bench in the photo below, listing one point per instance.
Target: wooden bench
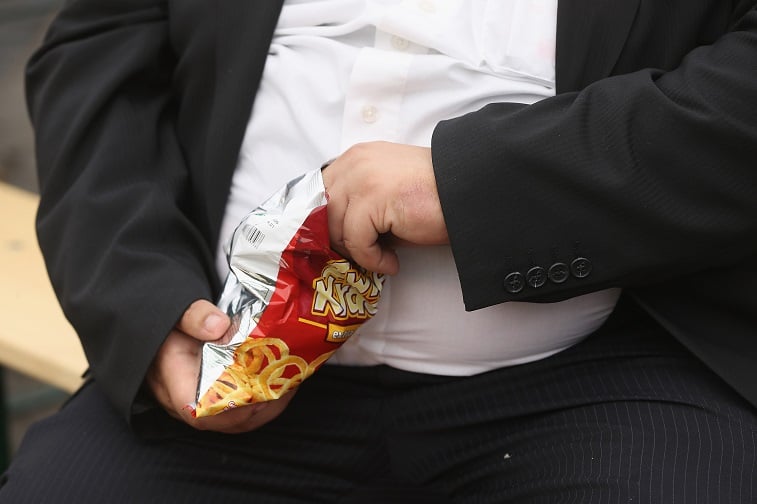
(35, 337)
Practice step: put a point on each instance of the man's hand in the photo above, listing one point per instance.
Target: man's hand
(173, 375)
(377, 189)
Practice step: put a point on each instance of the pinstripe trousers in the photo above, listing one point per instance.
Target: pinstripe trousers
(626, 416)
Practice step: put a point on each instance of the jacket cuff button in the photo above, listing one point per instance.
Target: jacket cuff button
(580, 267)
(536, 277)
(558, 272)
(514, 282)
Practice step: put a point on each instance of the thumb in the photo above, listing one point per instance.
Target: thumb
(204, 321)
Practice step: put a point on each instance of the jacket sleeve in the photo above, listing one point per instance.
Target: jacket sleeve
(642, 177)
(124, 257)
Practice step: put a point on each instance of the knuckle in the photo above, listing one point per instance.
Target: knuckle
(358, 152)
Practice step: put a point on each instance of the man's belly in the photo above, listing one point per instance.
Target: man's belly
(422, 324)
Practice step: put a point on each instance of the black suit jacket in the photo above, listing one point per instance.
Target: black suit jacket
(643, 165)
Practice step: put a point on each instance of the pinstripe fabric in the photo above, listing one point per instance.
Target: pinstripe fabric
(627, 416)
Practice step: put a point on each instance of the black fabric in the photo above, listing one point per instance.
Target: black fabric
(647, 174)
(643, 164)
(626, 416)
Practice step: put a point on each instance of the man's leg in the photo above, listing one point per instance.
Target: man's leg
(626, 416)
(324, 448)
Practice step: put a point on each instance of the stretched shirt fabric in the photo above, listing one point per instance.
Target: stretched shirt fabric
(340, 72)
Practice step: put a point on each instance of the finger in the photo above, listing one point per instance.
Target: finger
(180, 365)
(173, 374)
(230, 421)
(173, 379)
(245, 418)
(204, 321)
(362, 241)
(337, 205)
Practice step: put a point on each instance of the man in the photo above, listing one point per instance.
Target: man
(629, 168)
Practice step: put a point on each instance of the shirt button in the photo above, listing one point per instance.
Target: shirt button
(400, 43)
(427, 6)
(370, 114)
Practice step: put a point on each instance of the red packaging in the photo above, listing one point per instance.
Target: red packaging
(293, 301)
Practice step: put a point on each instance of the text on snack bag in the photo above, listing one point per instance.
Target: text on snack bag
(346, 292)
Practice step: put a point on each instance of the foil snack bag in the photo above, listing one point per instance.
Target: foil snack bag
(292, 300)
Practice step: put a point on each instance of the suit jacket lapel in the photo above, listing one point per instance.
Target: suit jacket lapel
(590, 37)
(243, 33)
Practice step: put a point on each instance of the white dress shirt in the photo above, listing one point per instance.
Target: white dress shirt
(341, 72)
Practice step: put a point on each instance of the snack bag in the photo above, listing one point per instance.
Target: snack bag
(292, 300)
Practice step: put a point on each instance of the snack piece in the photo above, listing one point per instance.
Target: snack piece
(293, 301)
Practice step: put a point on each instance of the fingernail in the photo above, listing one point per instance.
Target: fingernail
(213, 323)
(191, 410)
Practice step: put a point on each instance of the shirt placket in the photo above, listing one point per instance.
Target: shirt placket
(376, 85)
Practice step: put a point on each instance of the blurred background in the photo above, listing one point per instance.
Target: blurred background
(22, 26)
